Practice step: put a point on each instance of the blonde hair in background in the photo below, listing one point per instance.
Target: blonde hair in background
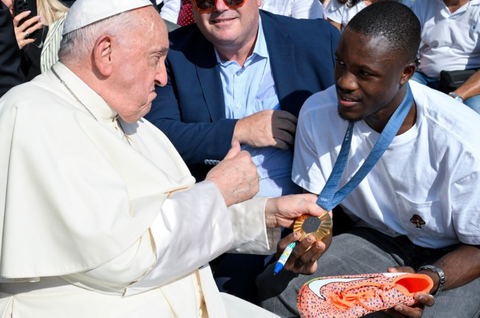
(50, 10)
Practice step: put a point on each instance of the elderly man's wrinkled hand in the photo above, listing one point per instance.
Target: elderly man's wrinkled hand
(235, 176)
(283, 211)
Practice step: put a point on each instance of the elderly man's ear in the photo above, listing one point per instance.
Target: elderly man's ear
(102, 55)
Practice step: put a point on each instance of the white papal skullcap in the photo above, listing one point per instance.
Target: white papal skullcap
(85, 12)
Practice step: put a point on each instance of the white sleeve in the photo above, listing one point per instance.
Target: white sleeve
(465, 198)
(210, 233)
(193, 227)
(170, 10)
(334, 11)
(249, 228)
(307, 9)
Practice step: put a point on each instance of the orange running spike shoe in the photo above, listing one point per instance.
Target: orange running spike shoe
(357, 295)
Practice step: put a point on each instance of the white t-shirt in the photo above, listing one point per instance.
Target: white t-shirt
(342, 14)
(429, 174)
(449, 41)
(170, 10)
(300, 9)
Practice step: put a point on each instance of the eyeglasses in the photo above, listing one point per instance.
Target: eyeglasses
(208, 5)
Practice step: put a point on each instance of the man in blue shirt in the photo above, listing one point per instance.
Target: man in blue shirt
(242, 74)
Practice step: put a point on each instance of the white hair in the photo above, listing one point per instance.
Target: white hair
(77, 45)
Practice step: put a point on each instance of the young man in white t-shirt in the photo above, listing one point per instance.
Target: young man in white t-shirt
(420, 203)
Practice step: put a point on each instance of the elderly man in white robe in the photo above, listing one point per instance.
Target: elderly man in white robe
(101, 217)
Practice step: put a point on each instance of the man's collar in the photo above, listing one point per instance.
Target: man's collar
(261, 45)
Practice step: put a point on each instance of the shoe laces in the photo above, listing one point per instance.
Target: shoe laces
(347, 299)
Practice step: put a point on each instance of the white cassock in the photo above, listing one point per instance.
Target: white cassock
(98, 223)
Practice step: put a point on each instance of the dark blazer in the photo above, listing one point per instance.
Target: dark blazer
(190, 108)
(10, 56)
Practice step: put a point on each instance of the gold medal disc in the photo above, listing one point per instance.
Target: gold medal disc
(318, 226)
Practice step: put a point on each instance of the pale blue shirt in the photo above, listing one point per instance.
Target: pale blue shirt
(249, 90)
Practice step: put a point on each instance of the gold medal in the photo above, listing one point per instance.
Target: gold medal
(318, 226)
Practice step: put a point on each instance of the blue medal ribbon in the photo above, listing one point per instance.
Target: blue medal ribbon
(330, 197)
